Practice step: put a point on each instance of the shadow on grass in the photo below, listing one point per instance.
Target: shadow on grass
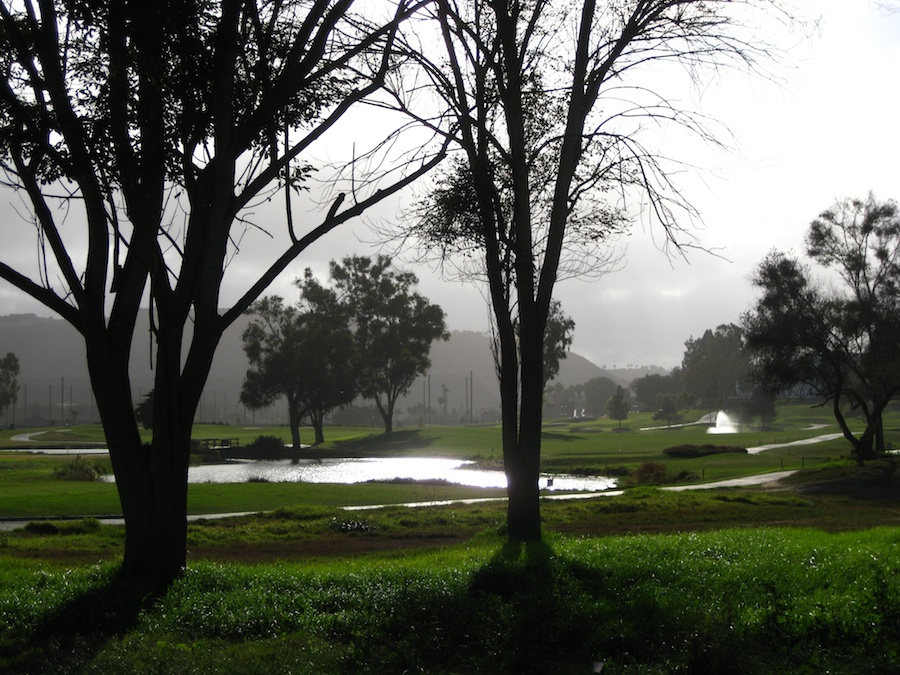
(374, 444)
(67, 639)
(554, 436)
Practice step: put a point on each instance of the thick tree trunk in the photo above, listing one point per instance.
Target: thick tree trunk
(317, 419)
(387, 414)
(151, 480)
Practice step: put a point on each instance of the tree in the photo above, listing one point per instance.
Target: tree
(597, 391)
(667, 408)
(9, 385)
(309, 357)
(842, 343)
(393, 327)
(648, 388)
(715, 365)
(557, 340)
(143, 411)
(761, 404)
(617, 406)
(156, 129)
(549, 157)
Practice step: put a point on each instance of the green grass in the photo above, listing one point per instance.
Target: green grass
(28, 489)
(731, 601)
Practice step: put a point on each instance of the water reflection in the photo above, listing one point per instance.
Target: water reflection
(359, 470)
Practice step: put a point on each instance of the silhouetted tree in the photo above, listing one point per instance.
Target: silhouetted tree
(667, 408)
(549, 152)
(309, 357)
(9, 384)
(648, 388)
(597, 391)
(842, 343)
(617, 405)
(393, 326)
(143, 411)
(715, 365)
(157, 128)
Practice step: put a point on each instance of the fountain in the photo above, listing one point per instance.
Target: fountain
(724, 424)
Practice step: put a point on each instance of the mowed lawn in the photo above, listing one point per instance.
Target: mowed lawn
(29, 488)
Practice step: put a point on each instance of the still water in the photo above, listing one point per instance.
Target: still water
(353, 470)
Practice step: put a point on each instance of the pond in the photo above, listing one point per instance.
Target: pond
(360, 470)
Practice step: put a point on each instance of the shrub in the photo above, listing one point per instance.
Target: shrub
(266, 445)
(692, 451)
(82, 469)
(649, 473)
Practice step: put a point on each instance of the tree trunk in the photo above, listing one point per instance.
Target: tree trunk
(387, 414)
(317, 419)
(294, 419)
(151, 480)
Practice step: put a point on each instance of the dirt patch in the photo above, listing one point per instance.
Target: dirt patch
(342, 547)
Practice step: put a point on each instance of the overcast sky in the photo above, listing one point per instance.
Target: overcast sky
(828, 131)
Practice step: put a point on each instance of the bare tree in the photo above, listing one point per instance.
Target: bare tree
(155, 128)
(550, 106)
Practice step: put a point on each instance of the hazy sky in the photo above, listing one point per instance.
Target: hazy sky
(828, 131)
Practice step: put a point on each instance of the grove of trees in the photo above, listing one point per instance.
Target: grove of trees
(368, 335)
(143, 135)
(839, 338)
(308, 357)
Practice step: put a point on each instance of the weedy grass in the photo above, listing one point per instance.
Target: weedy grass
(732, 601)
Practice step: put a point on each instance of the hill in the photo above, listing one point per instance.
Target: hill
(55, 386)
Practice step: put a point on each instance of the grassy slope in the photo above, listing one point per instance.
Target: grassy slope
(748, 601)
(697, 579)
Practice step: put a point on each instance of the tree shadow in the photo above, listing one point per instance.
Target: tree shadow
(554, 609)
(375, 444)
(69, 637)
(554, 436)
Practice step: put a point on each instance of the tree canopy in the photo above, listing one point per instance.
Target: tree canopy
(715, 365)
(306, 355)
(842, 343)
(393, 326)
(546, 104)
(142, 136)
(617, 406)
(9, 384)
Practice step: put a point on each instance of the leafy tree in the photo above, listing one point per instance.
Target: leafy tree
(761, 405)
(648, 388)
(597, 391)
(557, 339)
(667, 408)
(309, 357)
(715, 365)
(9, 385)
(154, 129)
(617, 405)
(393, 327)
(531, 95)
(842, 343)
(143, 411)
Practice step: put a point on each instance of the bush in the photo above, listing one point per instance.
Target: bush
(266, 445)
(692, 451)
(82, 469)
(649, 473)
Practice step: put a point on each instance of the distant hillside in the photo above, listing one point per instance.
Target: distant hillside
(54, 377)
